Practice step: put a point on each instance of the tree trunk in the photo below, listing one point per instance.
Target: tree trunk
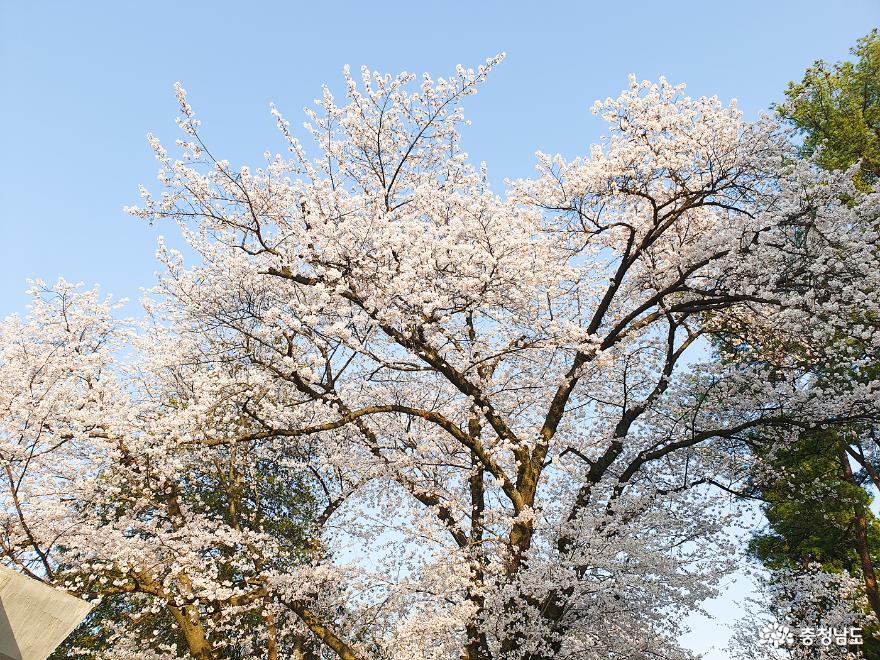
(860, 521)
(193, 633)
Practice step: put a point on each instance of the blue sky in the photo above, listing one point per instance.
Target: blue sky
(83, 82)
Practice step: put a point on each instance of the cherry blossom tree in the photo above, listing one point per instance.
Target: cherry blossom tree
(518, 414)
(99, 499)
(807, 614)
(817, 491)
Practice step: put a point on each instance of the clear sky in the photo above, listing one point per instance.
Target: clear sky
(83, 82)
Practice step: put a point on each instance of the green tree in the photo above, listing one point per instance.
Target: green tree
(836, 107)
(818, 515)
(810, 508)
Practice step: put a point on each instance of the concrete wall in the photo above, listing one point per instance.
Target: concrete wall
(34, 618)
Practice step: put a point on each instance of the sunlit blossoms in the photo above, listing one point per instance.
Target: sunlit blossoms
(387, 412)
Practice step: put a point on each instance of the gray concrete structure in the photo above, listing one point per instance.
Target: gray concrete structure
(34, 617)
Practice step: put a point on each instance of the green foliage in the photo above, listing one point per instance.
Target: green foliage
(836, 107)
(810, 508)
